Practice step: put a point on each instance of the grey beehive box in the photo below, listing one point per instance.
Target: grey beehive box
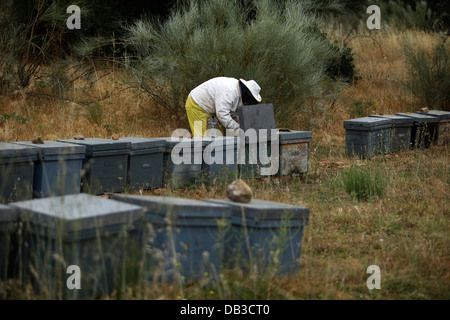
(9, 219)
(57, 170)
(424, 131)
(252, 164)
(145, 162)
(294, 151)
(105, 165)
(258, 116)
(16, 172)
(443, 131)
(367, 136)
(272, 231)
(96, 234)
(220, 160)
(177, 175)
(400, 138)
(186, 232)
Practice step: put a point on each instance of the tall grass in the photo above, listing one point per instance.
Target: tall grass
(363, 183)
(429, 74)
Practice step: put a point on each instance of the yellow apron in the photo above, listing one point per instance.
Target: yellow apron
(197, 114)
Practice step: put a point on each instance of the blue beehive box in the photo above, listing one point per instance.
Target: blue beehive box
(367, 136)
(184, 166)
(220, 160)
(186, 237)
(105, 165)
(57, 170)
(294, 151)
(8, 241)
(97, 235)
(265, 234)
(401, 129)
(145, 162)
(424, 131)
(443, 130)
(16, 172)
(251, 162)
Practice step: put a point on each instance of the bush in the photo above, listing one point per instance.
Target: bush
(407, 16)
(31, 36)
(269, 42)
(429, 75)
(363, 183)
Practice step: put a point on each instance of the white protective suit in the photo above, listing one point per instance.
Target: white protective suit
(219, 96)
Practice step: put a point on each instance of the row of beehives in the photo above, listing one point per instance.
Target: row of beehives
(112, 243)
(380, 134)
(97, 166)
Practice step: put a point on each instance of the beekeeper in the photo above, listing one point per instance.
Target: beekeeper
(220, 97)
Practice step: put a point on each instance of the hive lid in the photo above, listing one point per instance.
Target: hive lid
(442, 115)
(8, 214)
(53, 148)
(294, 135)
(367, 123)
(99, 144)
(77, 212)
(138, 143)
(11, 150)
(395, 118)
(176, 207)
(420, 117)
(258, 116)
(265, 210)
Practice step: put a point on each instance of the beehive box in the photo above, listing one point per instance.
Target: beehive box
(367, 136)
(265, 234)
(105, 166)
(98, 235)
(220, 160)
(252, 162)
(401, 129)
(186, 237)
(16, 172)
(424, 131)
(57, 170)
(443, 131)
(145, 162)
(8, 241)
(294, 151)
(258, 116)
(185, 165)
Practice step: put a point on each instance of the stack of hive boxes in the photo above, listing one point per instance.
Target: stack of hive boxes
(380, 134)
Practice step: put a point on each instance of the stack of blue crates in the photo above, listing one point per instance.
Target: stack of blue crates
(16, 172)
(145, 163)
(57, 170)
(265, 234)
(367, 136)
(105, 165)
(97, 235)
(184, 237)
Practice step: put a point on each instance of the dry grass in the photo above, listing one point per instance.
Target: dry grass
(405, 233)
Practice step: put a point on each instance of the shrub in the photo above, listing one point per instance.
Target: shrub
(267, 41)
(429, 74)
(363, 183)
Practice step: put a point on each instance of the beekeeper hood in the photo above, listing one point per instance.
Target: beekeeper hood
(250, 91)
